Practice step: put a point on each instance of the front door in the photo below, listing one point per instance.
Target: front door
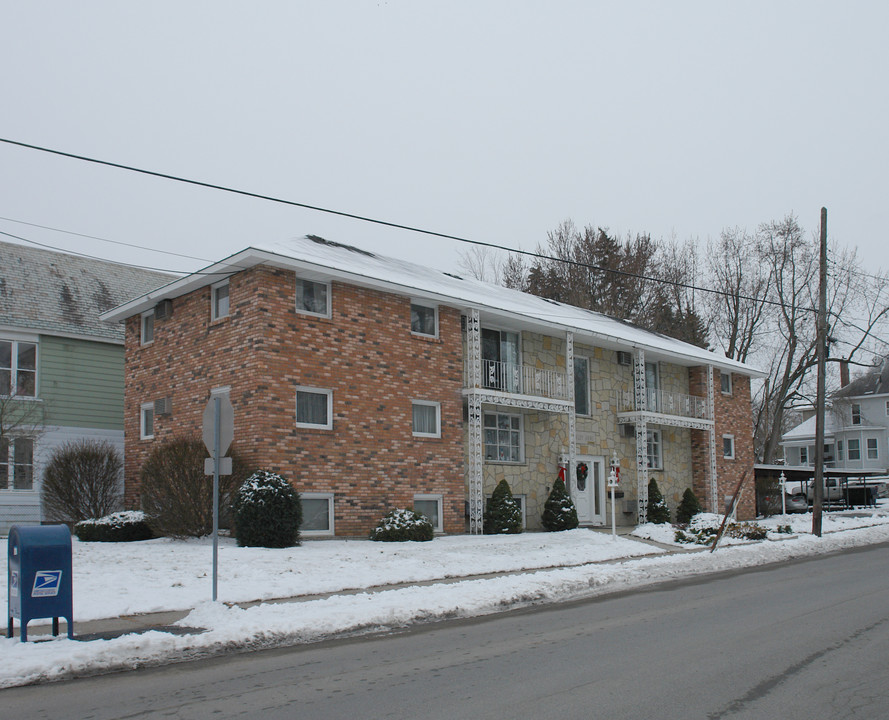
(588, 489)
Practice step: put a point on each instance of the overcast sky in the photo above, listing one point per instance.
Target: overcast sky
(493, 121)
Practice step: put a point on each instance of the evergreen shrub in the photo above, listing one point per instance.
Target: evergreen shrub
(658, 512)
(267, 512)
(502, 513)
(126, 526)
(559, 512)
(688, 507)
(400, 525)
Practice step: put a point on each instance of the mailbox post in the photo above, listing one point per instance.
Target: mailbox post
(39, 577)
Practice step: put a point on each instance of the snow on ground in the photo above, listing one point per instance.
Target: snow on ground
(115, 578)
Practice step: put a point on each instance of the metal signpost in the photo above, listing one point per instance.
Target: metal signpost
(613, 481)
(219, 431)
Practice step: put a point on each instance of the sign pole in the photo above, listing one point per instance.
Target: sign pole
(216, 443)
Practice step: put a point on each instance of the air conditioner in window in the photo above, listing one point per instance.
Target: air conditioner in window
(163, 309)
(628, 430)
(624, 358)
(163, 406)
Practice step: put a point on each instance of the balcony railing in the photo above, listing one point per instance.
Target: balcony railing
(665, 403)
(522, 380)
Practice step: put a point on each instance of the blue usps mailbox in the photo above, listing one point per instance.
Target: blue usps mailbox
(39, 576)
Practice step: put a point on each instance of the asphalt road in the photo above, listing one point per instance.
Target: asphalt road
(803, 640)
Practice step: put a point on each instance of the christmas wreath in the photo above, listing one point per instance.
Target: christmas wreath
(582, 471)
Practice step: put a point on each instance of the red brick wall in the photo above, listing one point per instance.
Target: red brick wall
(365, 353)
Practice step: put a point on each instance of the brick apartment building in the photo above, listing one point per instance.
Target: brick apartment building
(371, 383)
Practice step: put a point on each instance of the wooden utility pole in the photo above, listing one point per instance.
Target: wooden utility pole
(822, 365)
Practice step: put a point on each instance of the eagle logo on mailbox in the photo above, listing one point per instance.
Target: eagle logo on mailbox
(46, 583)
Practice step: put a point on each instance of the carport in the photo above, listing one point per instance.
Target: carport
(854, 488)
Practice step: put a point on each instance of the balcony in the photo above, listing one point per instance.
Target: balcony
(660, 402)
(516, 379)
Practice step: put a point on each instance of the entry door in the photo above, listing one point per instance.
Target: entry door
(588, 492)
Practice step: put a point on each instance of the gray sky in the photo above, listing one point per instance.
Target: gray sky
(489, 120)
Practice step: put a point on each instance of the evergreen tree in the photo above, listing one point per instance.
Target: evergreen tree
(502, 512)
(559, 512)
(689, 507)
(658, 512)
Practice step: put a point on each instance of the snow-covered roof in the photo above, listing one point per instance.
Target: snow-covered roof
(316, 258)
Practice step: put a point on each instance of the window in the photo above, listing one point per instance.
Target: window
(426, 418)
(503, 437)
(856, 414)
(146, 421)
(804, 456)
(16, 464)
(147, 332)
(887, 407)
(581, 386)
(312, 298)
(18, 368)
(728, 447)
(854, 449)
(839, 450)
(653, 450)
(219, 300)
(725, 383)
(314, 408)
(873, 452)
(424, 320)
(501, 368)
(317, 513)
(653, 387)
(430, 506)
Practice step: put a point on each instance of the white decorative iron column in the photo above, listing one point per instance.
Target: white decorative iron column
(476, 475)
(641, 435)
(711, 409)
(572, 412)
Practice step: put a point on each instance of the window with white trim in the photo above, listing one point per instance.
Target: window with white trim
(146, 331)
(853, 448)
(424, 319)
(219, 300)
(16, 463)
(146, 421)
(804, 456)
(581, 385)
(18, 368)
(426, 418)
(317, 513)
(503, 437)
(314, 408)
(312, 298)
(856, 414)
(725, 383)
(839, 450)
(430, 506)
(873, 452)
(653, 450)
(728, 447)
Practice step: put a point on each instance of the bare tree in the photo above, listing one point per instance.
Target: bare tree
(20, 418)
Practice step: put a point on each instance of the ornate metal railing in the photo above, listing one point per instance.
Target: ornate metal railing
(665, 403)
(521, 379)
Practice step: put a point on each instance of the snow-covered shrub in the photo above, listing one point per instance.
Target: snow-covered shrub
(175, 493)
(559, 512)
(658, 512)
(704, 527)
(82, 480)
(688, 507)
(400, 525)
(267, 512)
(502, 512)
(124, 526)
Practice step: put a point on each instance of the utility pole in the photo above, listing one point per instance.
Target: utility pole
(822, 365)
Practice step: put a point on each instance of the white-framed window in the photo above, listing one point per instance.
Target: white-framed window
(839, 450)
(853, 448)
(581, 385)
(725, 383)
(728, 447)
(219, 300)
(314, 408)
(804, 456)
(430, 506)
(887, 407)
(424, 319)
(312, 297)
(873, 452)
(426, 418)
(856, 414)
(654, 452)
(18, 368)
(317, 513)
(146, 421)
(653, 386)
(146, 330)
(503, 437)
(16, 463)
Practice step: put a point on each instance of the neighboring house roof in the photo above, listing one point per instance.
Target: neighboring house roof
(873, 382)
(59, 294)
(324, 259)
(806, 429)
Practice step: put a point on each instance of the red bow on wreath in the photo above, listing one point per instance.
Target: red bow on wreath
(582, 471)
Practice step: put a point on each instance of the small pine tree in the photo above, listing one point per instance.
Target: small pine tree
(502, 512)
(559, 512)
(268, 512)
(688, 508)
(658, 512)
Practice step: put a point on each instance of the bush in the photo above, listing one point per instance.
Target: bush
(267, 512)
(401, 525)
(688, 507)
(559, 512)
(502, 512)
(658, 512)
(177, 496)
(82, 480)
(118, 527)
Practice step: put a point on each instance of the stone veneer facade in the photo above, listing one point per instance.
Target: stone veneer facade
(365, 353)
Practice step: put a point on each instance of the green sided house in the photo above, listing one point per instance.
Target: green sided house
(61, 367)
